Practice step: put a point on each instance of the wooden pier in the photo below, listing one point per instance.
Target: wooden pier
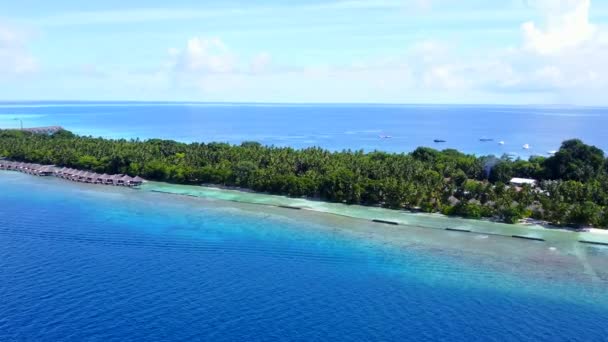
(70, 174)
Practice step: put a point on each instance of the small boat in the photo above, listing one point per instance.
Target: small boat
(501, 142)
(385, 136)
(551, 152)
(526, 146)
(439, 141)
(486, 139)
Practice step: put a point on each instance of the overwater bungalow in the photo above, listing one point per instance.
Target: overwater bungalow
(64, 172)
(107, 179)
(60, 171)
(100, 179)
(71, 174)
(83, 176)
(5, 164)
(117, 180)
(74, 174)
(46, 170)
(32, 169)
(24, 167)
(36, 169)
(90, 177)
(126, 180)
(80, 176)
(137, 181)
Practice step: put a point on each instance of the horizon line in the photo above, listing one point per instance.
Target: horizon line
(429, 104)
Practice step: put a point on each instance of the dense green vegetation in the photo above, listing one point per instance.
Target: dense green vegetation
(573, 184)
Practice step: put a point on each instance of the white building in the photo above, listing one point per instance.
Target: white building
(522, 181)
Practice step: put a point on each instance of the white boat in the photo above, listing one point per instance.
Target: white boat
(551, 152)
(501, 142)
(386, 136)
(526, 146)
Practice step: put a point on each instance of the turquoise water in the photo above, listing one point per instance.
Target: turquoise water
(334, 127)
(409, 219)
(89, 263)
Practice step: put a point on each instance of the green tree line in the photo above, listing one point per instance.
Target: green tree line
(572, 190)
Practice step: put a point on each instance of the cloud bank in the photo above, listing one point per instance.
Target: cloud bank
(15, 58)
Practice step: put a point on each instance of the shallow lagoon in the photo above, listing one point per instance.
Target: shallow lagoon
(81, 262)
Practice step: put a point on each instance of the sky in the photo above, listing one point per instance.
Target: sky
(317, 51)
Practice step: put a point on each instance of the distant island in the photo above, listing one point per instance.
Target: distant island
(569, 188)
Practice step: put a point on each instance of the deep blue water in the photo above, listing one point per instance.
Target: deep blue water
(82, 263)
(334, 127)
(86, 263)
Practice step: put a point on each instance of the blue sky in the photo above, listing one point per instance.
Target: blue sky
(372, 51)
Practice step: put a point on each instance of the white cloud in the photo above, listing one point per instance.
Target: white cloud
(567, 26)
(570, 53)
(203, 55)
(260, 63)
(14, 56)
(561, 58)
(563, 54)
(208, 64)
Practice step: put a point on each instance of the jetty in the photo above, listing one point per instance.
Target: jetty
(71, 174)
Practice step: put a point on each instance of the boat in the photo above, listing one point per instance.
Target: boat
(551, 152)
(486, 139)
(501, 142)
(439, 141)
(526, 146)
(385, 136)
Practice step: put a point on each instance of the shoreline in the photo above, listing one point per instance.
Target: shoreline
(377, 215)
(384, 216)
(523, 222)
(447, 181)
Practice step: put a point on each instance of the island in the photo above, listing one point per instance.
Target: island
(569, 188)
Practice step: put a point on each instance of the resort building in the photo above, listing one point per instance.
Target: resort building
(44, 130)
(70, 174)
(522, 181)
(47, 170)
(137, 181)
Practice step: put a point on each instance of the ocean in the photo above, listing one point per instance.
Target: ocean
(393, 128)
(83, 262)
(89, 263)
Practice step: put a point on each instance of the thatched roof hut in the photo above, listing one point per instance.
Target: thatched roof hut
(138, 179)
